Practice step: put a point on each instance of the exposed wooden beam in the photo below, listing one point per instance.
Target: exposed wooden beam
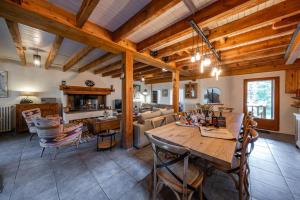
(234, 72)
(175, 92)
(97, 62)
(217, 10)
(85, 11)
(54, 50)
(50, 18)
(77, 57)
(293, 51)
(113, 66)
(144, 16)
(260, 34)
(16, 37)
(286, 22)
(136, 66)
(127, 103)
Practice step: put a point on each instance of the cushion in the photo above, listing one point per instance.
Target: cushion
(167, 112)
(145, 116)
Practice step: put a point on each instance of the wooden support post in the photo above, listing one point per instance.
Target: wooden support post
(175, 81)
(127, 100)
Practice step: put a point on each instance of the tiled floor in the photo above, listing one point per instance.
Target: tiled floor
(120, 174)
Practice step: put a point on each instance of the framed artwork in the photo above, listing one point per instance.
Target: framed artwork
(165, 93)
(190, 90)
(3, 84)
(136, 91)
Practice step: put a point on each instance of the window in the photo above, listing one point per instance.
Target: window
(260, 95)
(212, 95)
(261, 98)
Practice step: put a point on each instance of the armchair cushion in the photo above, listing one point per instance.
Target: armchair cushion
(29, 116)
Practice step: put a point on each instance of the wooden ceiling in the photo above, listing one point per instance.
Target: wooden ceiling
(262, 41)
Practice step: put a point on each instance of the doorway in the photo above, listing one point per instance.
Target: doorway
(261, 98)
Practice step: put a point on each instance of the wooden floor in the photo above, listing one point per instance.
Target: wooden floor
(120, 174)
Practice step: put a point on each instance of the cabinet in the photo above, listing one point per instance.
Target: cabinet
(292, 80)
(46, 109)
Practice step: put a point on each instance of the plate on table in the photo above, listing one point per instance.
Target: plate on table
(184, 124)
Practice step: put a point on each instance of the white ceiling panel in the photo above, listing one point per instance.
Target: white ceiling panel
(96, 53)
(66, 50)
(171, 16)
(72, 6)
(111, 14)
(7, 47)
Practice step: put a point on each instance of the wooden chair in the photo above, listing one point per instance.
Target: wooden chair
(52, 134)
(239, 169)
(182, 177)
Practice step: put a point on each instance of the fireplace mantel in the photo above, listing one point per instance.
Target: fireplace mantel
(67, 89)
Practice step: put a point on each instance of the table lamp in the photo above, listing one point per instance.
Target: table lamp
(26, 94)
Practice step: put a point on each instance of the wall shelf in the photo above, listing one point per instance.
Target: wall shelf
(85, 90)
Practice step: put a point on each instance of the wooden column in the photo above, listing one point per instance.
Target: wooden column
(175, 82)
(127, 100)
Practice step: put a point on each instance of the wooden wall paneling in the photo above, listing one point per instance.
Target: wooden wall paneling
(291, 80)
(175, 82)
(127, 103)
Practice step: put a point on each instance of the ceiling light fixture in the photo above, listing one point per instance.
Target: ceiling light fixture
(164, 70)
(206, 61)
(143, 79)
(216, 72)
(37, 59)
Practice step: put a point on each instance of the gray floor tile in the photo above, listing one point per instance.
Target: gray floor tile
(137, 192)
(294, 186)
(265, 165)
(263, 191)
(117, 185)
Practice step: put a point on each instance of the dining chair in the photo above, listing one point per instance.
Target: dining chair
(52, 134)
(182, 177)
(239, 168)
(29, 116)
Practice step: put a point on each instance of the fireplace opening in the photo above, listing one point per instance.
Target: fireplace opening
(86, 102)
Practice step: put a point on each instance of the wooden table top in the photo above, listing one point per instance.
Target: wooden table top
(212, 149)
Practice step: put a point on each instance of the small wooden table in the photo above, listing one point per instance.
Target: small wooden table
(106, 130)
(215, 150)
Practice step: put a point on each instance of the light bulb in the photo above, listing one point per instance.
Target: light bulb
(143, 79)
(207, 62)
(193, 59)
(164, 69)
(198, 56)
(214, 71)
(201, 67)
(36, 62)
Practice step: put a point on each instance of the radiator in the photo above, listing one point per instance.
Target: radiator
(5, 118)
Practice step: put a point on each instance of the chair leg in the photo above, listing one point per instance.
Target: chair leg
(201, 191)
(43, 151)
(31, 136)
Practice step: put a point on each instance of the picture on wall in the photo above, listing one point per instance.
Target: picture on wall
(190, 90)
(136, 91)
(165, 93)
(3, 84)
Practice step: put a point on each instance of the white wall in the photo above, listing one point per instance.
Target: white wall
(46, 82)
(232, 95)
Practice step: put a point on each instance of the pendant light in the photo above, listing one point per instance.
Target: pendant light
(206, 61)
(198, 57)
(143, 79)
(37, 59)
(193, 58)
(201, 62)
(216, 71)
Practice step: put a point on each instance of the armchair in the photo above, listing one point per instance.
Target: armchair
(29, 116)
(52, 134)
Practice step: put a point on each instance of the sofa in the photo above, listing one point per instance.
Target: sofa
(147, 121)
(154, 107)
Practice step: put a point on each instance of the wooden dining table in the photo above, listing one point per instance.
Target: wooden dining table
(220, 151)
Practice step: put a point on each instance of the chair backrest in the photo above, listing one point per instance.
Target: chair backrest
(244, 158)
(47, 128)
(253, 138)
(30, 115)
(180, 153)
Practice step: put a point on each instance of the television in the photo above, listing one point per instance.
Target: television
(118, 104)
